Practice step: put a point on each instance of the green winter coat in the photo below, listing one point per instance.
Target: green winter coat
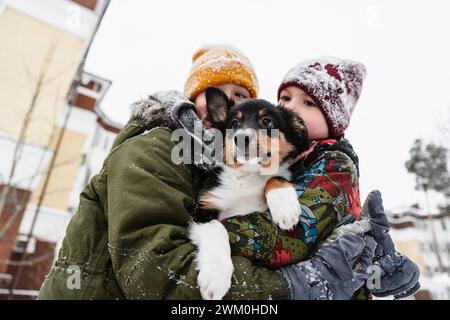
(129, 239)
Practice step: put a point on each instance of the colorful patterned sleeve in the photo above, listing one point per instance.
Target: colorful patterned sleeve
(328, 193)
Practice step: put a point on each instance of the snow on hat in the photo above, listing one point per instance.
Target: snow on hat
(335, 84)
(219, 64)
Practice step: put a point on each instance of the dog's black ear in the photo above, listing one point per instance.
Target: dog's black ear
(296, 123)
(299, 127)
(217, 105)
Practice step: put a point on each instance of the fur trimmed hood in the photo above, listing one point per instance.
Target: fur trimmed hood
(163, 106)
(171, 109)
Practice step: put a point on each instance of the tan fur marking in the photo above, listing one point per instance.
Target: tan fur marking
(285, 146)
(278, 150)
(276, 183)
(206, 202)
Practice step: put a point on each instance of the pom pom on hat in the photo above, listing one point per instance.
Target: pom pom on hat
(219, 64)
(335, 84)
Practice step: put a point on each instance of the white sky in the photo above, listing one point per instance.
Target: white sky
(145, 46)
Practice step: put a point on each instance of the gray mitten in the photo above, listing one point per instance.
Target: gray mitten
(334, 272)
(399, 276)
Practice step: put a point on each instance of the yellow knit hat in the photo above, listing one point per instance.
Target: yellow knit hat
(219, 64)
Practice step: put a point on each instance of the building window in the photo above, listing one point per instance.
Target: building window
(21, 242)
(20, 246)
(444, 227)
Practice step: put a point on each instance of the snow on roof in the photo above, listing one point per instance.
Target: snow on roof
(412, 211)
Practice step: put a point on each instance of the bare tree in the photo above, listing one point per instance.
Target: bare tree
(18, 206)
(69, 99)
(17, 154)
(9, 197)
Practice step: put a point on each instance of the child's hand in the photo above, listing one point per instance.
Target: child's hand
(399, 276)
(334, 272)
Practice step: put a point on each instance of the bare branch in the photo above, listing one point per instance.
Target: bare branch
(59, 74)
(18, 207)
(26, 121)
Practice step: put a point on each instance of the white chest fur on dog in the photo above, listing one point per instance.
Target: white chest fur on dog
(241, 190)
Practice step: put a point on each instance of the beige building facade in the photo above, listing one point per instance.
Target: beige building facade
(42, 46)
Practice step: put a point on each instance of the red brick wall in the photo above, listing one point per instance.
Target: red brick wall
(106, 126)
(90, 4)
(35, 266)
(423, 295)
(16, 197)
(84, 102)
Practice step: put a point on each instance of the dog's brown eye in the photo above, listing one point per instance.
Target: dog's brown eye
(266, 122)
(234, 124)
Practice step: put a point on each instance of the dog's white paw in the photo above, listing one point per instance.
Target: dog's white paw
(214, 279)
(284, 207)
(213, 259)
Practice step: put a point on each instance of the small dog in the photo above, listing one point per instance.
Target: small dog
(260, 139)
